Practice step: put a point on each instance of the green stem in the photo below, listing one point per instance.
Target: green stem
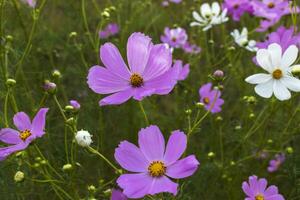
(86, 26)
(6, 109)
(144, 113)
(104, 158)
(59, 107)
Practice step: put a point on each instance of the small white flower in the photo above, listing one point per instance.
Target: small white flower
(279, 79)
(19, 176)
(209, 16)
(241, 38)
(83, 138)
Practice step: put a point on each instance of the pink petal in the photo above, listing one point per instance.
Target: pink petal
(6, 151)
(247, 190)
(113, 61)
(160, 61)
(22, 121)
(152, 143)
(131, 158)
(175, 147)
(183, 168)
(118, 195)
(138, 51)
(103, 81)
(163, 184)
(117, 98)
(270, 191)
(38, 122)
(9, 136)
(135, 185)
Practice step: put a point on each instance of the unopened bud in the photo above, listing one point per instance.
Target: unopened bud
(19, 176)
(67, 167)
(11, 82)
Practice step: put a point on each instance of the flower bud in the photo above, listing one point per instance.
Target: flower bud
(188, 111)
(67, 167)
(211, 154)
(49, 87)
(83, 138)
(56, 74)
(9, 38)
(252, 115)
(296, 70)
(73, 34)
(199, 105)
(105, 14)
(91, 188)
(69, 108)
(75, 104)
(10, 82)
(218, 74)
(289, 150)
(19, 176)
(270, 141)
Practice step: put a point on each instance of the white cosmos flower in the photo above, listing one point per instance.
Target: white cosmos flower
(279, 79)
(83, 138)
(209, 16)
(241, 38)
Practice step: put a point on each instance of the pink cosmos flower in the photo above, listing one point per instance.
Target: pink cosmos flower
(27, 132)
(256, 189)
(276, 162)
(117, 195)
(181, 71)
(31, 3)
(110, 30)
(149, 71)
(236, 8)
(175, 38)
(152, 164)
(211, 98)
(191, 48)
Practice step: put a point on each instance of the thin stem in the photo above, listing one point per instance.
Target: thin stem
(6, 109)
(59, 107)
(104, 158)
(144, 113)
(86, 26)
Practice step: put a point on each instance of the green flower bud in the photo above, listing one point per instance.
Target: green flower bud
(289, 150)
(67, 167)
(19, 176)
(211, 154)
(10, 82)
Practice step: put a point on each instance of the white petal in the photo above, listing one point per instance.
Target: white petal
(265, 89)
(195, 24)
(197, 17)
(205, 9)
(216, 8)
(289, 56)
(264, 60)
(291, 83)
(258, 78)
(245, 32)
(276, 52)
(280, 91)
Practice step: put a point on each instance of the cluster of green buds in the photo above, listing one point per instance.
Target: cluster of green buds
(107, 11)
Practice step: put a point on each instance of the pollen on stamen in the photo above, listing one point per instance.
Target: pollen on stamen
(277, 74)
(25, 134)
(136, 80)
(206, 100)
(259, 197)
(271, 5)
(157, 169)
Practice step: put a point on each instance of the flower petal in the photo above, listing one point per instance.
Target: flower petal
(183, 168)
(117, 98)
(280, 91)
(135, 185)
(275, 197)
(130, 157)
(38, 122)
(22, 121)
(9, 136)
(113, 61)
(205, 9)
(138, 51)
(163, 184)
(118, 195)
(175, 147)
(291, 83)
(102, 81)
(263, 58)
(152, 143)
(258, 78)
(160, 61)
(6, 151)
(265, 89)
(247, 190)
(289, 56)
(275, 52)
(271, 190)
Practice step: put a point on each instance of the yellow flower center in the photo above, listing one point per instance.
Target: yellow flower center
(277, 74)
(271, 5)
(174, 39)
(259, 197)
(157, 169)
(25, 134)
(206, 100)
(136, 80)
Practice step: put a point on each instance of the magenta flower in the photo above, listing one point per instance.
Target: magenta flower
(117, 195)
(148, 73)
(27, 132)
(31, 3)
(276, 162)
(110, 30)
(237, 8)
(271, 12)
(175, 38)
(191, 48)
(152, 164)
(282, 36)
(211, 98)
(75, 104)
(180, 71)
(256, 189)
